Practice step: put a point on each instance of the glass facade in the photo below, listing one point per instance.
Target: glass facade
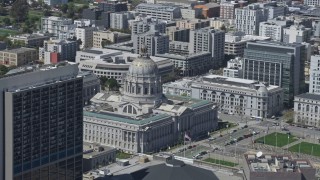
(47, 131)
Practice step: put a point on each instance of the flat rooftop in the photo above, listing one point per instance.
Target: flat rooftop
(93, 149)
(309, 96)
(18, 50)
(275, 163)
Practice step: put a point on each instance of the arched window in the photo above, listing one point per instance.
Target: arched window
(307, 108)
(125, 110)
(299, 107)
(129, 109)
(316, 109)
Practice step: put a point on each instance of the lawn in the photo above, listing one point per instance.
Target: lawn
(216, 161)
(277, 139)
(122, 155)
(6, 32)
(306, 148)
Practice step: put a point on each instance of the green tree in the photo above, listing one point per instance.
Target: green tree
(223, 27)
(3, 69)
(3, 11)
(289, 116)
(64, 8)
(112, 84)
(6, 21)
(19, 10)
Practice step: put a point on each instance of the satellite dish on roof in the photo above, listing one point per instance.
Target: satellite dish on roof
(259, 154)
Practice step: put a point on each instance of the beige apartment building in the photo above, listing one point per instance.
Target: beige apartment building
(108, 37)
(192, 24)
(18, 57)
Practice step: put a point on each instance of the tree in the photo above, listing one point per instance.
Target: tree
(223, 27)
(3, 11)
(112, 84)
(103, 81)
(3, 69)
(64, 8)
(289, 116)
(19, 10)
(47, 13)
(6, 21)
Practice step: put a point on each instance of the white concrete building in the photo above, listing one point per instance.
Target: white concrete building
(314, 84)
(55, 2)
(296, 34)
(145, 24)
(248, 18)
(180, 87)
(85, 34)
(115, 64)
(141, 119)
(272, 30)
(307, 109)
(208, 40)
(159, 11)
(119, 20)
(232, 95)
(312, 2)
(82, 22)
(62, 28)
(234, 68)
(189, 13)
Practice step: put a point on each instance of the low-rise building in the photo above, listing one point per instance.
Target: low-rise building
(189, 13)
(277, 167)
(115, 64)
(191, 64)
(234, 68)
(307, 109)
(178, 34)
(30, 40)
(102, 38)
(209, 10)
(56, 50)
(91, 85)
(159, 11)
(235, 43)
(96, 156)
(192, 24)
(62, 28)
(296, 34)
(18, 57)
(272, 30)
(231, 95)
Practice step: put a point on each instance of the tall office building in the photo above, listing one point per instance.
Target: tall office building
(155, 42)
(277, 64)
(248, 18)
(208, 40)
(314, 85)
(41, 124)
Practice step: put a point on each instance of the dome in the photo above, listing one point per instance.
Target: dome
(143, 66)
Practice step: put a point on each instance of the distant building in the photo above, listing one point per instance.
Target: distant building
(112, 6)
(159, 11)
(277, 64)
(208, 40)
(277, 167)
(312, 2)
(83, 22)
(178, 34)
(55, 2)
(30, 40)
(209, 10)
(18, 57)
(235, 43)
(155, 42)
(54, 51)
(181, 87)
(188, 13)
(296, 34)
(192, 24)
(115, 64)
(98, 17)
(144, 25)
(178, 47)
(227, 9)
(248, 18)
(85, 34)
(119, 20)
(96, 156)
(272, 30)
(307, 109)
(234, 68)
(101, 38)
(191, 64)
(314, 83)
(62, 28)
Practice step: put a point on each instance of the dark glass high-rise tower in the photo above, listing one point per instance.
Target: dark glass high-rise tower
(41, 124)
